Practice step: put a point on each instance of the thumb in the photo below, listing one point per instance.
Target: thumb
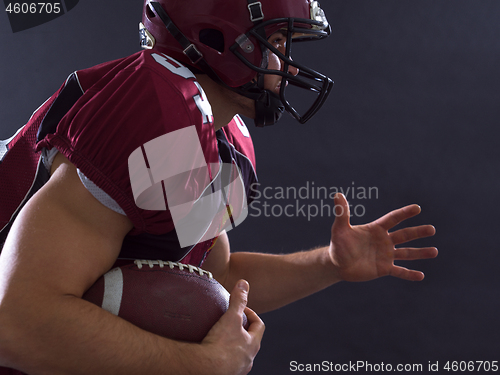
(342, 213)
(239, 298)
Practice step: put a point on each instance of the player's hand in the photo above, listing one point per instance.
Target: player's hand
(366, 252)
(234, 347)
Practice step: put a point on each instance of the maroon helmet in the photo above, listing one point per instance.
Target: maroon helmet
(228, 40)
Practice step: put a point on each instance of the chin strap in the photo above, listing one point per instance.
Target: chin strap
(268, 105)
(268, 110)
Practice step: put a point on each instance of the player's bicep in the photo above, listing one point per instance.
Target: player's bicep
(62, 240)
(217, 261)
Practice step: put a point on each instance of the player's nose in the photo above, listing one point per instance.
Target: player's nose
(293, 70)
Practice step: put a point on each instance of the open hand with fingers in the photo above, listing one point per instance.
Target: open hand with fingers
(366, 252)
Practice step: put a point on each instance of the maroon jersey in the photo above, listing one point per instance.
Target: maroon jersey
(141, 129)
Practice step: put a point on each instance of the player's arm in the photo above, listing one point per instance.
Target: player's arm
(355, 253)
(275, 280)
(62, 241)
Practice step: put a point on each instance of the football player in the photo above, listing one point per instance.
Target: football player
(146, 157)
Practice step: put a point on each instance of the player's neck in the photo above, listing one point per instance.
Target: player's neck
(222, 100)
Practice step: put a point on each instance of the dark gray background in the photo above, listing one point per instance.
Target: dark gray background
(414, 113)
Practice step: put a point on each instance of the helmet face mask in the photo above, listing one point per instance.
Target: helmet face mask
(231, 45)
(294, 30)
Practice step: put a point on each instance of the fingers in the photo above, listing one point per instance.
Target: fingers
(239, 298)
(395, 217)
(238, 305)
(412, 233)
(229, 340)
(410, 253)
(256, 326)
(406, 274)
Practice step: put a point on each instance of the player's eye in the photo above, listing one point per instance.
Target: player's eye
(278, 40)
(279, 43)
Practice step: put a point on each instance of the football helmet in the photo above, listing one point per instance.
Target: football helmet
(228, 41)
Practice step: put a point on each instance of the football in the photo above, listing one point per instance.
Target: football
(173, 300)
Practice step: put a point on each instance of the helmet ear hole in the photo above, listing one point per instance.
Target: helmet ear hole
(149, 12)
(212, 38)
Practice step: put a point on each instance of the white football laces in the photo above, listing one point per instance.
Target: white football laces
(181, 266)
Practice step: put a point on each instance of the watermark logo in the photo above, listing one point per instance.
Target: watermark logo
(170, 173)
(27, 14)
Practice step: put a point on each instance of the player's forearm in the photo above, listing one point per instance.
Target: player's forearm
(277, 280)
(66, 335)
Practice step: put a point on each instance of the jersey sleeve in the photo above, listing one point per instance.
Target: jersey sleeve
(139, 114)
